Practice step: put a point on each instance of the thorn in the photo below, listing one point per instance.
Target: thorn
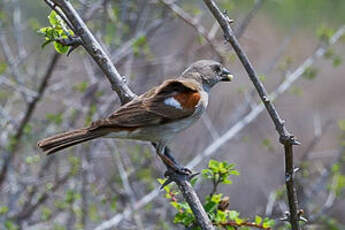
(266, 99)
(71, 49)
(293, 140)
(228, 19)
(124, 79)
(193, 175)
(286, 216)
(167, 182)
(287, 177)
(296, 170)
(302, 218)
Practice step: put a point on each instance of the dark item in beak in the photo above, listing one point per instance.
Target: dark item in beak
(226, 75)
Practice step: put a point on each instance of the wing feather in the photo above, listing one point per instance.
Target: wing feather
(150, 109)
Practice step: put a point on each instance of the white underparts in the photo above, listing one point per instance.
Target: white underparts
(173, 102)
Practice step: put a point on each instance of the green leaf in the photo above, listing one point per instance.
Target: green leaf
(233, 214)
(54, 18)
(60, 48)
(193, 181)
(207, 173)
(9, 225)
(258, 219)
(239, 220)
(235, 172)
(212, 164)
(226, 181)
(216, 198)
(220, 216)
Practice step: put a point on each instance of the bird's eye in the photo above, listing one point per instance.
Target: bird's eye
(216, 68)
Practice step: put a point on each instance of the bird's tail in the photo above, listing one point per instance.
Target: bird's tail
(61, 141)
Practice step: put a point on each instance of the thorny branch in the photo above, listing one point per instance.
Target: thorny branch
(286, 139)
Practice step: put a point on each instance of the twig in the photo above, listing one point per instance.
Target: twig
(248, 18)
(194, 24)
(244, 224)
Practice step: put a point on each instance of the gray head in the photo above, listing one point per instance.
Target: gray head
(208, 73)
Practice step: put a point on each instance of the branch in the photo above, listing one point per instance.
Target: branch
(92, 46)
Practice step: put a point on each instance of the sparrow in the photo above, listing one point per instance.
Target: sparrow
(156, 116)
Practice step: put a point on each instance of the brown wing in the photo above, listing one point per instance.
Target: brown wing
(150, 108)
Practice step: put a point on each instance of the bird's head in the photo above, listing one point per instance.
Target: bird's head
(208, 73)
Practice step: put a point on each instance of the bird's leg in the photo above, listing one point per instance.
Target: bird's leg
(170, 162)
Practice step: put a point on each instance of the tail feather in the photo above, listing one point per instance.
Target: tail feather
(64, 140)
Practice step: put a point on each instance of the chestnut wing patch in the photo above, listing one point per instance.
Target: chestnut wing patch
(176, 99)
(188, 100)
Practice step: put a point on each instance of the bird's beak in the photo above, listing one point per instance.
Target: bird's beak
(226, 75)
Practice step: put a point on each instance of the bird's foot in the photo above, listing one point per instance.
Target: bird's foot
(179, 173)
(173, 166)
(181, 170)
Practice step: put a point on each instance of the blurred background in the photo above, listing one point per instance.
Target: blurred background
(43, 93)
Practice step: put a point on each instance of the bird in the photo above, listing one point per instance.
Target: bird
(157, 115)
